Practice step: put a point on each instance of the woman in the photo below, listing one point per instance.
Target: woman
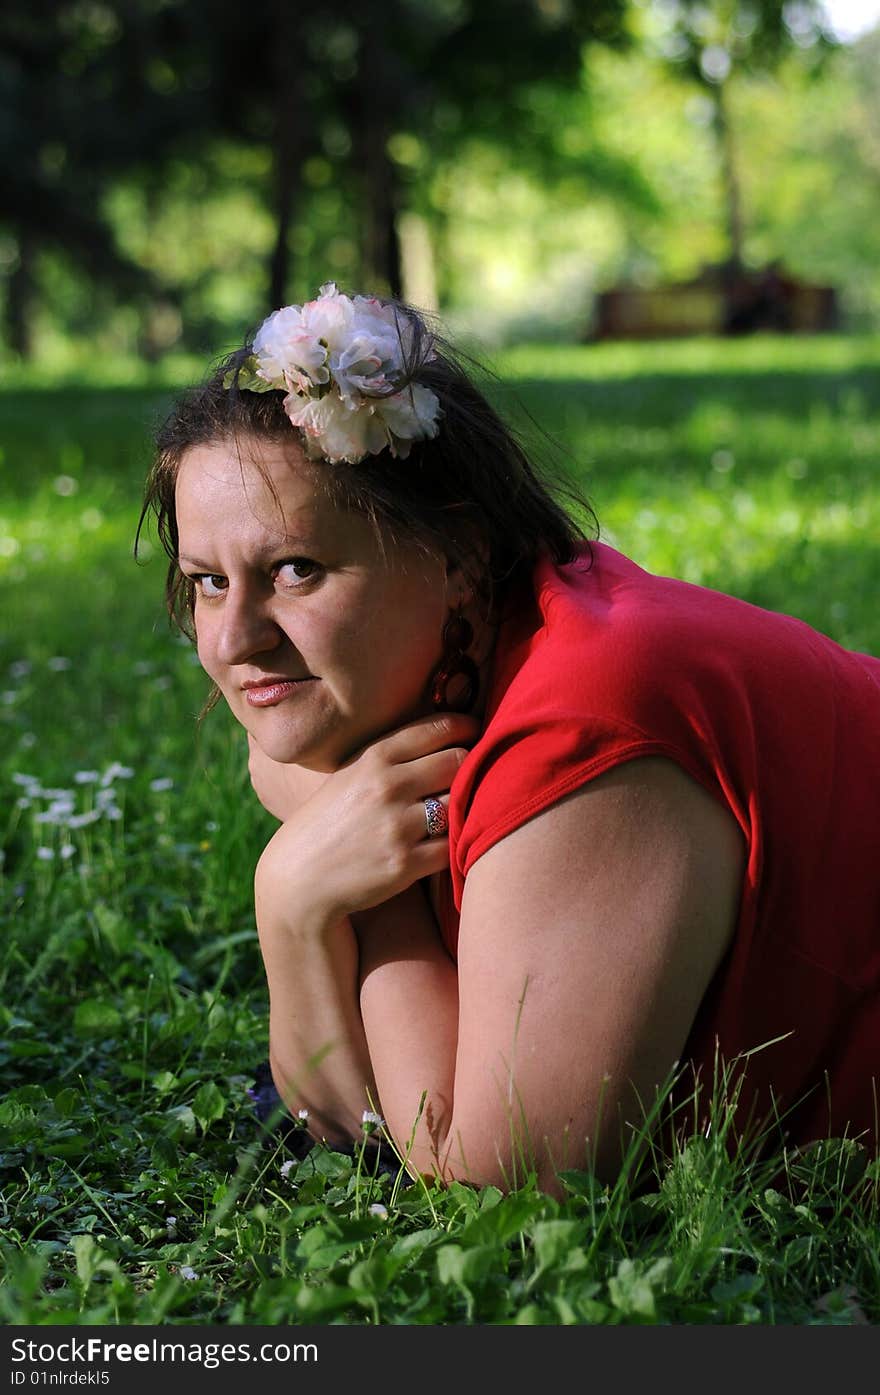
(551, 828)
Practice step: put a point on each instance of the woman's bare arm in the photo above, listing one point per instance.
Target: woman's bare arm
(356, 842)
(588, 938)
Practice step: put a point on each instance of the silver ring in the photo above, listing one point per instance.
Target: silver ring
(435, 817)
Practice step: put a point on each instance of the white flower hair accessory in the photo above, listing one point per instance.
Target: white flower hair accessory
(344, 364)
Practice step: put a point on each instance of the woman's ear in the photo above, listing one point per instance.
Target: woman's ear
(466, 576)
(459, 586)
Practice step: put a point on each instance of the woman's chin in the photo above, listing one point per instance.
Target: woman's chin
(325, 745)
(290, 752)
(322, 752)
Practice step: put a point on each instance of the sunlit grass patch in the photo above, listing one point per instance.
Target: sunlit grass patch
(749, 466)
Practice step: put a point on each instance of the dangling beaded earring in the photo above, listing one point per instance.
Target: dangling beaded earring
(457, 680)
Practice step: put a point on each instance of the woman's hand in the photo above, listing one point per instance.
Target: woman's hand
(360, 838)
(281, 789)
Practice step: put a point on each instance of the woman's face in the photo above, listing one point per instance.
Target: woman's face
(318, 641)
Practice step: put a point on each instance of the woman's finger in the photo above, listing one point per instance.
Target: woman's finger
(429, 819)
(428, 857)
(428, 774)
(424, 737)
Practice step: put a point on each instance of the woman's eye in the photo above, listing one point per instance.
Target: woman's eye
(295, 571)
(211, 585)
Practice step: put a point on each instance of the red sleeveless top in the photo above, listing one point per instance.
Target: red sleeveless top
(601, 662)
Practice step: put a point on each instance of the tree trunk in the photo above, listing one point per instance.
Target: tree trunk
(417, 261)
(289, 140)
(382, 257)
(380, 246)
(737, 291)
(20, 296)
(729, 176)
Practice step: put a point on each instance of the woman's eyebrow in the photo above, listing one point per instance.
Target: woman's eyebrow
(284, 544)
(194, 562)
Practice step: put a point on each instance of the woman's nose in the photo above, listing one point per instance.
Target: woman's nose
(246, 628)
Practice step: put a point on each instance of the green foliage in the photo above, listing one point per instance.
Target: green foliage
(137, 1186)
(119, 124)
(540, 152)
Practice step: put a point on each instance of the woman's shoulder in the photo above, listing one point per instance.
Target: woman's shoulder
(605, 662)
(631, 643)
(574, 693)
(602, 637)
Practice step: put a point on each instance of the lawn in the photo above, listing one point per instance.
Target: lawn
(136, 1185)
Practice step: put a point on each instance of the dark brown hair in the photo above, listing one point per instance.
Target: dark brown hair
(470, 493)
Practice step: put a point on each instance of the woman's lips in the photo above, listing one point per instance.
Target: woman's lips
(268, 694)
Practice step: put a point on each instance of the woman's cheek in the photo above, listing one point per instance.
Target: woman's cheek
(202, 632)
(207, 662)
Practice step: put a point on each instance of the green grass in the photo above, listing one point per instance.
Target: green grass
(135, 1005)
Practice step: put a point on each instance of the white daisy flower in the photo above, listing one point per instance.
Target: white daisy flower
(115, 771)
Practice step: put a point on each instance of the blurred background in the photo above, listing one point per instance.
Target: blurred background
(172, 170)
